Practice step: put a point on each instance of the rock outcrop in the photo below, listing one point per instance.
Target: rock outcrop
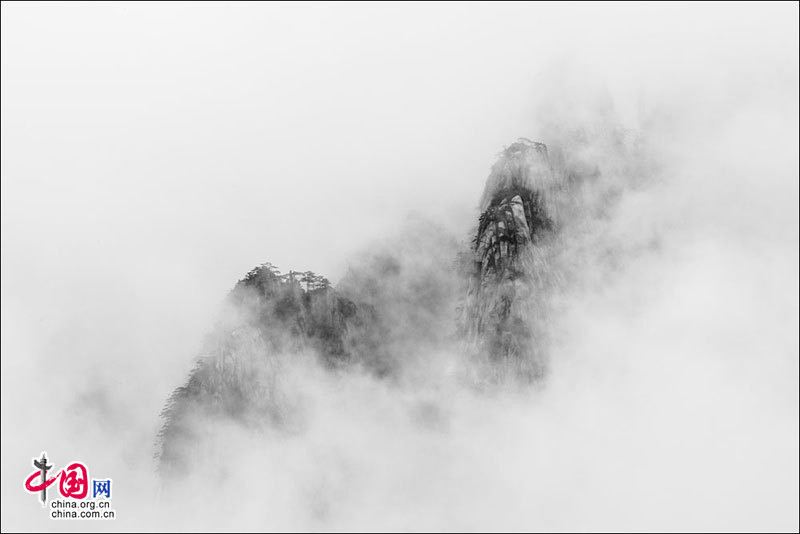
(237, 377)
(392, 312)
(507, 260)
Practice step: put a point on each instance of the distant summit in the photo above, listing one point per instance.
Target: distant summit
(237, 377)
(525, 165)
(506, 256)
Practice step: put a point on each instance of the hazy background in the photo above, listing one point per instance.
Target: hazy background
(152, 154)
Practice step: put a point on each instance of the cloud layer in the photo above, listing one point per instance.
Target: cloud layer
(152, 156)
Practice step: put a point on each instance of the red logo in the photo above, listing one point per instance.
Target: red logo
(74, 480)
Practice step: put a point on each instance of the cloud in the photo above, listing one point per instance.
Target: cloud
(134, 195)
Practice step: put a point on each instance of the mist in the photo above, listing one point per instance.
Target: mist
(152, 155)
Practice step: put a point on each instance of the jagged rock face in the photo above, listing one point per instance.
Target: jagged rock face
(295, 311)
(498, 318)
(523, 166)
(390, 313)
(237, 379)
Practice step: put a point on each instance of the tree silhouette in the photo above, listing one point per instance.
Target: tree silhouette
(308, 279)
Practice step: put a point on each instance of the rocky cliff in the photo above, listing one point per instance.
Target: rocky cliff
(237, 377)
(506, 265)
(398, 307)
